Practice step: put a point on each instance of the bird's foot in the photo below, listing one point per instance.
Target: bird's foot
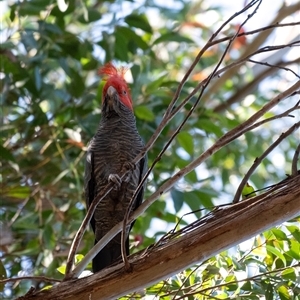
(115, 178)
(128, 167)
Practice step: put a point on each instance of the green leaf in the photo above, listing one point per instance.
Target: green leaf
(192, 177)
(28, 221)
(89, 63)
(30, 8)
(20, 192)
(186, 141)
(76, 87)
(92, 16)
(78, 258)
(49, 237)
(144, 113)
(138, 21)
(129, 35)
(193, 201)
(280, 235)
(210, 127)
(3, 275)
(295, 231)
(172, 37)
(177, 197)
(276, 253)
(6, 154)
(294, 250)
(156, 83)
(284, 293)
(269, 292)
(121, 46)
(289, 274)
(51, 28)
(248, 191)
(62, 269)
(47, 287)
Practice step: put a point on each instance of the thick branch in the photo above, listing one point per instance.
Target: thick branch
(224, 228)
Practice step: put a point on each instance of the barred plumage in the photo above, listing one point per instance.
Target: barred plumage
(116, 143)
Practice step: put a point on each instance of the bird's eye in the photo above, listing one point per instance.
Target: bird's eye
(124, 92)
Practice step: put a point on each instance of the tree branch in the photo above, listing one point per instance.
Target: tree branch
(39, 278)
(170, 114)
(224, 228)
(224, 140)
(258, 160)
(255, 43)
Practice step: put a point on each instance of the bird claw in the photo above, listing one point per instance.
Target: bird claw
(129, 166)
(115, 178)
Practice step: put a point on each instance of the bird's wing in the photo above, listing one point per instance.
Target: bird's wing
(89, 183)
(140, 195)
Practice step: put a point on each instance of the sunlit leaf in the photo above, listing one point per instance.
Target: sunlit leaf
(276, 253)
(294, 250)
(185, 140)
(62, 269)
(279, 234)
(20, 192)
(289, 274)
(78, 258)
(295, 231)
(144, 113)
(283, 293)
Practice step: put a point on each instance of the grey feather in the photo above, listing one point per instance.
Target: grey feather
(117, 142)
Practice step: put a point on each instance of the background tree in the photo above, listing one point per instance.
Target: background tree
(50, 93)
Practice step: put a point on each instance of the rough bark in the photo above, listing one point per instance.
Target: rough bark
(223, 228)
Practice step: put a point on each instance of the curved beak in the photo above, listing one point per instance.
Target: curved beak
(111, 91)
(111, 96)
(111, 100)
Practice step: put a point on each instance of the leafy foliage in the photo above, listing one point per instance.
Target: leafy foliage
(50, 101)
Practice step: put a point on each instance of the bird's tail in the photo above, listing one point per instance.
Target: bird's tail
(109, 254)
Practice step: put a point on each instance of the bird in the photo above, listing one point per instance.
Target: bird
(112, 149)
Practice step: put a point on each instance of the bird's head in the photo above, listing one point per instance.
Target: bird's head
(115, 90)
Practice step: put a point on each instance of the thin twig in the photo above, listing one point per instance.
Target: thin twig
(258, 160)
(273, 66)
(256, 42)
(258, 124)
(40, 278)
(168, 116)
(228, 67)
(185, 280)
(272, 26)
(241, 280)
(83, 226)
(171, 113)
